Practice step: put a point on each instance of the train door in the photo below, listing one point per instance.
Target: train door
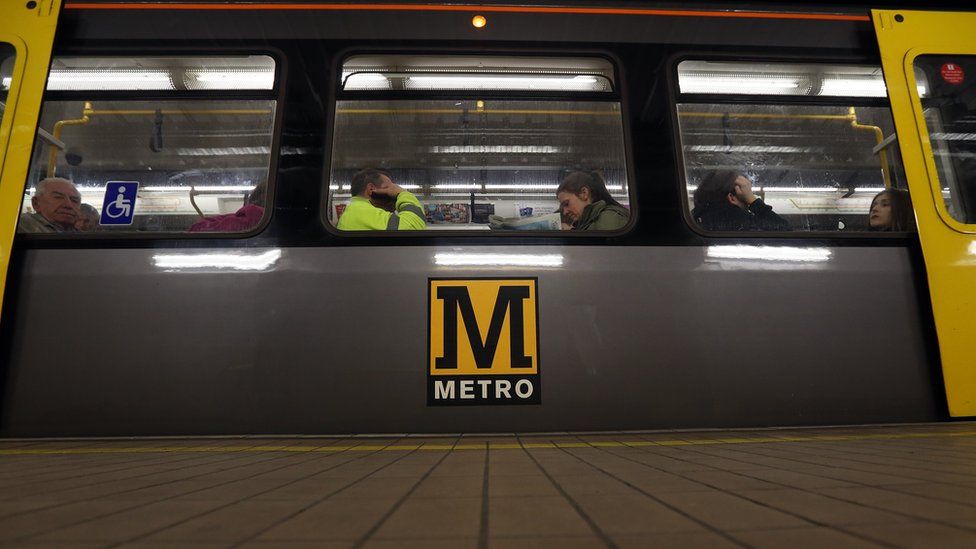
(929, 61)
(26, 37)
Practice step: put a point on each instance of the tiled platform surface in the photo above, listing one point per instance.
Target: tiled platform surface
(891, 486)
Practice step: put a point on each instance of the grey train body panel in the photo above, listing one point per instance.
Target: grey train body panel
(333, 340)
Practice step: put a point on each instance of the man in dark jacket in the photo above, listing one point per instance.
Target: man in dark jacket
(724, 201)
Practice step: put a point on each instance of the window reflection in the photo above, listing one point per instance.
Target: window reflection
(818, 167)
(201, 165)
(950, 116)
(475, 162)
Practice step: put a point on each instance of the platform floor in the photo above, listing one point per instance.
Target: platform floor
(903, 486)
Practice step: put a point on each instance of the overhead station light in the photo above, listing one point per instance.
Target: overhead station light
(481, 73)
(478, 187)
(254, 72)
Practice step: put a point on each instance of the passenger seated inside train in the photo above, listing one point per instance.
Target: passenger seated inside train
(891, 210)
(584, 198)
(379, 204)
(56, 203)
(724, 201)
(88, 218)
(244, 219)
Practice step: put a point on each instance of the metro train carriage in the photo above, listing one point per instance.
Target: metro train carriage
(324, 218)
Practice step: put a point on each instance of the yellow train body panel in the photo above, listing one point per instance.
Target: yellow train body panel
(29, 27)
(948, 245)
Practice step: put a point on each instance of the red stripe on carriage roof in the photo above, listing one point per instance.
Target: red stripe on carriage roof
(458, 8)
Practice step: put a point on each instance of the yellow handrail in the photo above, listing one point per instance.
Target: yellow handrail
(88, 111)
(878, 137)
(851, 117)
(52, 158)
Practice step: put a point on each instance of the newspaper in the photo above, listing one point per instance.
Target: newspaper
(550, 222)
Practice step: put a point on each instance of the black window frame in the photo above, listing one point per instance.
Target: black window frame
(276, 94)
(618, 95)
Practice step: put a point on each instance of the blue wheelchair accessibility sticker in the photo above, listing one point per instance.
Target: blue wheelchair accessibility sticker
(119, 204)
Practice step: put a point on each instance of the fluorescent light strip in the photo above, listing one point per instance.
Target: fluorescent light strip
(101, 80)
(365, 81)
(173, 188)
(222, 151)
(498, 82)
(233, 261)
(496, 149)
(952, 136)
(760, 84)
(477, 187)
(406, 187)
(498, 260)
(534, 186)
(800, 189)
(692, 188)
(208, 188)
(158, 79)
(229, 79)
(751, 85)
(854, 87)
(751, 149)
(769, 253)
(515, 186)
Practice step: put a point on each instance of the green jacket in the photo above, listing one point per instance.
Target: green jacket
(360, 215)
(598, 216)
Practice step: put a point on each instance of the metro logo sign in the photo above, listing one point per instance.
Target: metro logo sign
(483, 341)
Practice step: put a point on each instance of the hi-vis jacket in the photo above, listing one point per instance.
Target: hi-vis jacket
(360, 215)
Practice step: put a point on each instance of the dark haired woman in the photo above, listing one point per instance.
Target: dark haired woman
(891, 210)
(724, 201)
(584, 198)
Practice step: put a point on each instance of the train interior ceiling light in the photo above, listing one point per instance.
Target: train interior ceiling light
(253, 72)
(740, 78)
(483, 73)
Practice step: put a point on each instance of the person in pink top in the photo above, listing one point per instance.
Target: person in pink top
(244, 219)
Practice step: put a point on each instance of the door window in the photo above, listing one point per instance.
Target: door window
(7, 55)
(948, 98)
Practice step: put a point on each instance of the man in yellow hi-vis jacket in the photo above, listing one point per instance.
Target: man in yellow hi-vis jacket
(379, 204)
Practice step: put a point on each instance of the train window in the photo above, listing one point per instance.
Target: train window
(489, 152)
(7, 54)
(108, 163)
(789, 166)
(949, 108)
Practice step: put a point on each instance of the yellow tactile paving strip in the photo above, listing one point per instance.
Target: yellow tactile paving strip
(556, 442)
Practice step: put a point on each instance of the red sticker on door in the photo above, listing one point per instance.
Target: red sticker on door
(952, 73)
